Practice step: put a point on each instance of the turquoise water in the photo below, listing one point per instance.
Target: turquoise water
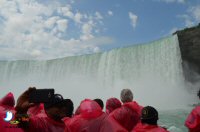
(174, 119)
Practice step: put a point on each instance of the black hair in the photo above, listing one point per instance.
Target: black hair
(59, 102)
(149, 115)
(100, 102)
(198, 93)
(67, 103)
(54, 101)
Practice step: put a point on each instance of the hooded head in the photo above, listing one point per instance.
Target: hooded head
(90, 109)
(126, 95)
(149, 115)
(8, 100)
(112, 104)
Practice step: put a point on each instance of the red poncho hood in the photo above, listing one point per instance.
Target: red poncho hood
(90, 109)
(8, 100)
(112, 104)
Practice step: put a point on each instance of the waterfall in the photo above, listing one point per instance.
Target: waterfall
(153, 71)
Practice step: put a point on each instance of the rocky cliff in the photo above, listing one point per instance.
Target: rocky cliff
(189, 40)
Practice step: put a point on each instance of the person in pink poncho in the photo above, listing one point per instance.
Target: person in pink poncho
(7, 105)
(112, 104)
(148, 122)
(193, 120)
(89, 118)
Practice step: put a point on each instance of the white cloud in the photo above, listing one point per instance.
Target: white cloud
(187, 20)
(8, 8)
(173, 30)
(30, 8)
(62, 25)
(96, 50)
(66, 11)
(50, 22)
(87, 30)
(77, 18)
(189, 23)
(195, 11)
(133, 19)
(192, 17)
(31, 30)
(110, 13)
(36, 53)
(98, 15)
(87, 27)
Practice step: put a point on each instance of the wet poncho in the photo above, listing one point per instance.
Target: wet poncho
(193, 120)
(88, 120)
(112, 104)
(7, 105)
(148, 128)
(123, 119)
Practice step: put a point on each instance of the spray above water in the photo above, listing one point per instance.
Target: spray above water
(153, 71)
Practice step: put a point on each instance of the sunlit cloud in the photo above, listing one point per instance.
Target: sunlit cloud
(133, 19)
(32, 30)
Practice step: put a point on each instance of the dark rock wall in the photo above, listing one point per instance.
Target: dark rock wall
(189, 41)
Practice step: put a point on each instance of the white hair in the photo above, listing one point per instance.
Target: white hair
(126, 95)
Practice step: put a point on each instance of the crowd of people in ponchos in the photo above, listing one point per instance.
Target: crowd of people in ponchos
(58, 116)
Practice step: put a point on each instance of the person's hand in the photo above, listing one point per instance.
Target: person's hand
(23, 101)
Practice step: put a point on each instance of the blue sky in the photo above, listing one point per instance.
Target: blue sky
(44, 29)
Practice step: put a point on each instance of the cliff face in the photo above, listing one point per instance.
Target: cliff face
(189, 40)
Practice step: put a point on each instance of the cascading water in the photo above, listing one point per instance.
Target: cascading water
(153, 71)
(150, 70)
